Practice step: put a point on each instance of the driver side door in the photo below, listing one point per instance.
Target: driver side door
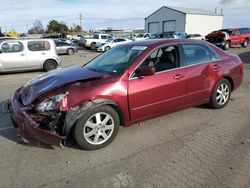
(162, 92)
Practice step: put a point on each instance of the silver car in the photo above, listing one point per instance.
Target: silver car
(28, 54)
(65, 47)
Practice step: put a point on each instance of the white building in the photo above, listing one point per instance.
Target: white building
(187, 20)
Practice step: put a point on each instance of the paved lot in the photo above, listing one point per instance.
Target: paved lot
(196, 147)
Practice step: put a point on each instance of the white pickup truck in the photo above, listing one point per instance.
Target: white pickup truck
(96, 40)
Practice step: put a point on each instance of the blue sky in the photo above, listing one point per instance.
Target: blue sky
(20, 14)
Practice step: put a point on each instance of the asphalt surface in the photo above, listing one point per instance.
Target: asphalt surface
(195, 147)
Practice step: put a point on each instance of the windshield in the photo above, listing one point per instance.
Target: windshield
(115, 60)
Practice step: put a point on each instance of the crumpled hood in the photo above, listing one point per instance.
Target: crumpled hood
(54, 79)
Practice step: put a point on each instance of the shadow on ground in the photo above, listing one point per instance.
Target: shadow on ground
(245, 57)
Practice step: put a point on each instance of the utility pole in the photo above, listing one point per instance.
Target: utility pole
(27, 29)
(80, 16)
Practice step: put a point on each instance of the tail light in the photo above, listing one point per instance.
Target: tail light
(241, 66)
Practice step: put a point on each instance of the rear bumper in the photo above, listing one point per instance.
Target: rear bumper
(27, 127)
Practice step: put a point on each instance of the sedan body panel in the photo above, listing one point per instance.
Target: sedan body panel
(134, 97)
(156, 94)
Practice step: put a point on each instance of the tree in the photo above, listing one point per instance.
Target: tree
(57, 27)
(76, 28)
(37, 28)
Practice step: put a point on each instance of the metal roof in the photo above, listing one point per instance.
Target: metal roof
(193, 11)
(189, 11)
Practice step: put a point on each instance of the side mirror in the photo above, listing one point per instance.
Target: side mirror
(145, 71)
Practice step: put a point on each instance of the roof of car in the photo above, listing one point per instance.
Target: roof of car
(150, 42)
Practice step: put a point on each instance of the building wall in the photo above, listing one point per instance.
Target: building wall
(165, 14)
(203, 24)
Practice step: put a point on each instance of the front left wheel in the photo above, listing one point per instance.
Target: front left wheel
(97, 128)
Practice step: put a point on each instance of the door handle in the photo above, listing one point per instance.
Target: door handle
(179, 76)
(216, 67)
(22, 54)
(43, 53)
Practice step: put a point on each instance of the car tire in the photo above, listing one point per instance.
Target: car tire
(92, 46)
(245, 43)
(221, 94)
(107, 48)
(49, 65)
(227, 45)
(97, 128)
(70, 51)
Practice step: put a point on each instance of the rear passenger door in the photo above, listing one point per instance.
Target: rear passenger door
(201, 63)
(38, 50)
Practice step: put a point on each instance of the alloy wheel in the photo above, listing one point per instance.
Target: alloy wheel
(222, 94)
(98, 128)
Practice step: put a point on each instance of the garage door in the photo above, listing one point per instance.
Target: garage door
(169, 25)
(153, 27)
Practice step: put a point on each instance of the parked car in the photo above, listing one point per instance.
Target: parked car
(227, 37)
(111, 43)
(195, 36)
(65, 48)
(181, 35)
(64, 40)
(168, 35)
(17, 55)
(96, 41)
(127, 84)
(142, 36)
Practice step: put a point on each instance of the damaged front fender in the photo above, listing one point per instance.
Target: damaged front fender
(77, 112)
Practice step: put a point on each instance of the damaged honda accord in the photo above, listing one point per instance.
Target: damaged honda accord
(127, 84)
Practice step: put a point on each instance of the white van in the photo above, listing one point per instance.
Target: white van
(28, 54)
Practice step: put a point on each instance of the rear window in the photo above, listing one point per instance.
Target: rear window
(38, 45)
(12, 46)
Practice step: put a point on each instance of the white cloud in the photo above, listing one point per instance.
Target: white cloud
(104, 13)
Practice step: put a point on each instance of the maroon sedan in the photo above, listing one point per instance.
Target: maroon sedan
(127, 84)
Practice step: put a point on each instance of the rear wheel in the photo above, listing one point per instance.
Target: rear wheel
(97, 128)
(221, 94)
(245, 43)
(92, 46)
(70, 51)
(227, 45)
(49, 65)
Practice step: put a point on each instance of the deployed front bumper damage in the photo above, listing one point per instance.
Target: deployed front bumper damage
(27, 127)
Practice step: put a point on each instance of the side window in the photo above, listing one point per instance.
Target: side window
(103, 37)
(11, 47)
(214, 56)
(38, 45)
(196, 53)
(165, 58)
